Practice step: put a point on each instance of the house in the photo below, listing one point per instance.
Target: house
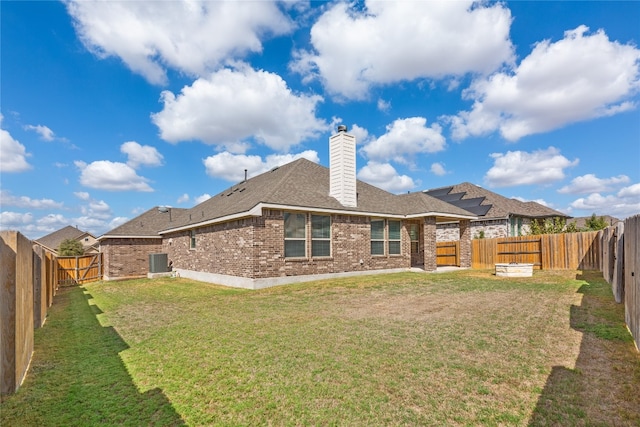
(497, 216)
(581, 222)
(301, 221)
(126, 248)
(51, 242)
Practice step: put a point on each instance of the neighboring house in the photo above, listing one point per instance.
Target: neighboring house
(297, 222)
(498, 216)
(51, 242)
(581, 222)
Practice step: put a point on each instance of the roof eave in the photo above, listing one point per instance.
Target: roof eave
(127, 236)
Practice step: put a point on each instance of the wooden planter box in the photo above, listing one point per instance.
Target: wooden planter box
(514, 270)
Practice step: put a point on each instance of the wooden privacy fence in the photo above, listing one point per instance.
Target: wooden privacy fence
(621, 267)
(29, 280)
(567, 251)
(79, 269)
(631, 273)
(448, 253)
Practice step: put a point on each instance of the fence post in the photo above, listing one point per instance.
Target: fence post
(16, 309)
(617, 282)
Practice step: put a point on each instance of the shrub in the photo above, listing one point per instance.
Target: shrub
(70, 247)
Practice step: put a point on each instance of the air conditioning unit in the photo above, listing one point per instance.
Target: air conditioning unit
(158, 263)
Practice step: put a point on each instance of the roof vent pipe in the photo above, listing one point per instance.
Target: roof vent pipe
(245, 175)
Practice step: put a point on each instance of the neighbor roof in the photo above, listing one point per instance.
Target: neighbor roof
(304, 185)
(488, 204)
(52, 241)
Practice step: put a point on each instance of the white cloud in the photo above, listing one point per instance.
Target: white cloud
(384, 105)
(111, 176)
(14, 220)
(539, 201)
(7, 199)
(117, 221)
(183, 199)
(52, 222)
(630, 192)
(522, 168)
(404, 139)
(233, 107)
(202, 198)
(621, 205)
(383, 175)
(97, 210)
(580, 77)
(589, 183)
(44, 132)
(361, 134)
(192, 36)
(397, 41)
(13, 155)
(231, 167)
(438, 169)
(137, 154)
(82, 195)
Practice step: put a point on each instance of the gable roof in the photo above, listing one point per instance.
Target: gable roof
(488, 204)
(304, 185)
(147, 224)
(299, 185)
(52, 241)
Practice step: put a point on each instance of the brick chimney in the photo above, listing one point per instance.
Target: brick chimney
(342, 167)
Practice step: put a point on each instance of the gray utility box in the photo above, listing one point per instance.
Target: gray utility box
(158, 263)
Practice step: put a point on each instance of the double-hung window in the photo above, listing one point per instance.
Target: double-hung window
(377, 237)
(320, 235)
(295, 235)
(394, 237)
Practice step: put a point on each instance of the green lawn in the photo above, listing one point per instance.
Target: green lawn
(462, 348)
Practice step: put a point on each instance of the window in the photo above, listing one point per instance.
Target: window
(192, 240)
(377, 237)
(414, 234)
(320, 235)
(295, 234)
(394, 237)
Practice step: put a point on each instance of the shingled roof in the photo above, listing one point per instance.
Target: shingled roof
(300, 184)
(52, 241)
(490, 205)
(146, 225)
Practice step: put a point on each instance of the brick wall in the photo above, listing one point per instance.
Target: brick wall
(254, 248)
(430, 231)
(126, 258)
(465, 243)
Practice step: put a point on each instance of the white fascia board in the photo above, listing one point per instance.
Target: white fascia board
(255, 211)
(116, 236)
(440, 214)
(333, 211)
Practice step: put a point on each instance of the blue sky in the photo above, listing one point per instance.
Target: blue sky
(111, 108)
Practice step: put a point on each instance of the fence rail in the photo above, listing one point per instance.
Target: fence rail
(79, 269)
(567, 251)
(29, 280)
(448, 253)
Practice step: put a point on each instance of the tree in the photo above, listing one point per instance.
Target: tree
(595, 223)
(552, 226)
(70, 247)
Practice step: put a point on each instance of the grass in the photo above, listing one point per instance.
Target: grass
(463, 348)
